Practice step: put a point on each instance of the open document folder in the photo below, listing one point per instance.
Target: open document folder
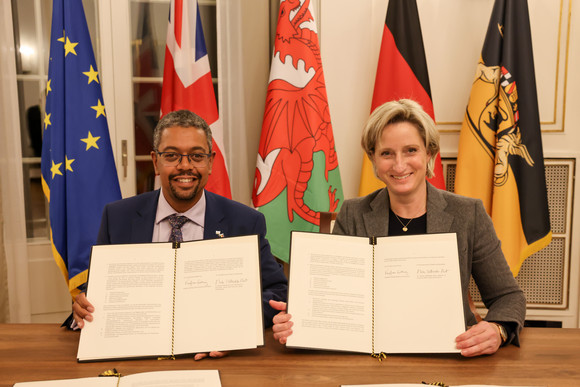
(195, 378)
(391, 294)
(157, 299)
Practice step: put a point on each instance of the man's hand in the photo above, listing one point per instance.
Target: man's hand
(215, 354)
(282, 325)
(82, 310)
(481, 339)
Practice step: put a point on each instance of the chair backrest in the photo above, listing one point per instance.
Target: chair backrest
(327, 222)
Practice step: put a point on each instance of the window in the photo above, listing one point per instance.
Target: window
(32, 23)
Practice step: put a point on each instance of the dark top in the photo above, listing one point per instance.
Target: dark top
(414, 226)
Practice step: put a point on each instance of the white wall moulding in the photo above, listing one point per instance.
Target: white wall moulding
(453, 56)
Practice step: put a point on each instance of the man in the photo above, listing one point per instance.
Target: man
(183, 157)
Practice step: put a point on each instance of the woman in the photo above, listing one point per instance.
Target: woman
(402, 143)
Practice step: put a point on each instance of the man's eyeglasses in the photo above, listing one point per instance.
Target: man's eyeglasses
(172, 159)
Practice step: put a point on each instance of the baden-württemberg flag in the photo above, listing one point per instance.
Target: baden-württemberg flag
(297, 174)
(500, 156)
(78, 169)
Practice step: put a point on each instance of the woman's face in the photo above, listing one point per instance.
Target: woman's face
(400, 159)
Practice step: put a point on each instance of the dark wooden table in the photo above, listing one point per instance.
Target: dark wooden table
(547, 357)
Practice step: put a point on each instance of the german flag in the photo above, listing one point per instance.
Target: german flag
(500, 157)
(401, 73)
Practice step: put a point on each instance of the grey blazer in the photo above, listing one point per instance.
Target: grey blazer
(480, 253)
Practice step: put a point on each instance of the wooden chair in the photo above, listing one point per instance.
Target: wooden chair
(327, 222)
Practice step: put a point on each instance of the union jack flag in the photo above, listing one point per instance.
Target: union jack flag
(187, 82)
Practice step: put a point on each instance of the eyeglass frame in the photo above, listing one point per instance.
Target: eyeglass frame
(196, 164)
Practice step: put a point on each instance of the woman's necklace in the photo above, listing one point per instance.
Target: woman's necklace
(405, 229)
(405, 226)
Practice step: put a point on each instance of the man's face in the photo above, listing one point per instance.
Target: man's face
(182, 184)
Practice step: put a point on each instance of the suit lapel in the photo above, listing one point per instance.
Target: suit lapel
(214, 215)
(438, 220)
(144, 221)
(376, 219)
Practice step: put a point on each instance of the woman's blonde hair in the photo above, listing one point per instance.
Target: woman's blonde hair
(403, 110)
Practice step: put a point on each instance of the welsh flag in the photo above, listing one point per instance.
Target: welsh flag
(187, 82)
(297, 174)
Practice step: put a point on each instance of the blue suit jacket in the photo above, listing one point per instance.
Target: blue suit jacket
(131, 220)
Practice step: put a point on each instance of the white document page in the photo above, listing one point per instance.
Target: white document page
(217, 295)
(422, 385)
(130, 287)
(419, 304)
(193, 378)
(84, 382)
(330, 292)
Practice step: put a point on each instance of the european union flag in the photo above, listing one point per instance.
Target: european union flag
(78, 169)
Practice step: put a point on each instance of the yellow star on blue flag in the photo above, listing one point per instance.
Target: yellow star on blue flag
(68, 164)
(55, 169)
(76, 195)
(91, 141)
(99, 108)
(92, 74)
(69, 47)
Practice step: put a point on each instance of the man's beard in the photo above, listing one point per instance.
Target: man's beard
(185, 195)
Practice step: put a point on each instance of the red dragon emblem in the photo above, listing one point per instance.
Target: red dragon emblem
(296, 119)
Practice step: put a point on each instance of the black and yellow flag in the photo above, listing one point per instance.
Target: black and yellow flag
(500, 157)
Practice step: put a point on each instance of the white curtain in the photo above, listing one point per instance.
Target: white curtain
(4, 311)
(244, 68)
(14, 286)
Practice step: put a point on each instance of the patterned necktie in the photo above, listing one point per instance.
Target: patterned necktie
(176, 221)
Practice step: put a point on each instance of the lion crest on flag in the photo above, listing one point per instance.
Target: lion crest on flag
(498, 123)
(296, 119)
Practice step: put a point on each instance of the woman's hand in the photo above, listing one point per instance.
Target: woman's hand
(282, 325)
(481, 339)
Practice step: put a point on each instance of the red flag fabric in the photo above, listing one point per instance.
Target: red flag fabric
(401, 73)
(187, 82)
(297, 175)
